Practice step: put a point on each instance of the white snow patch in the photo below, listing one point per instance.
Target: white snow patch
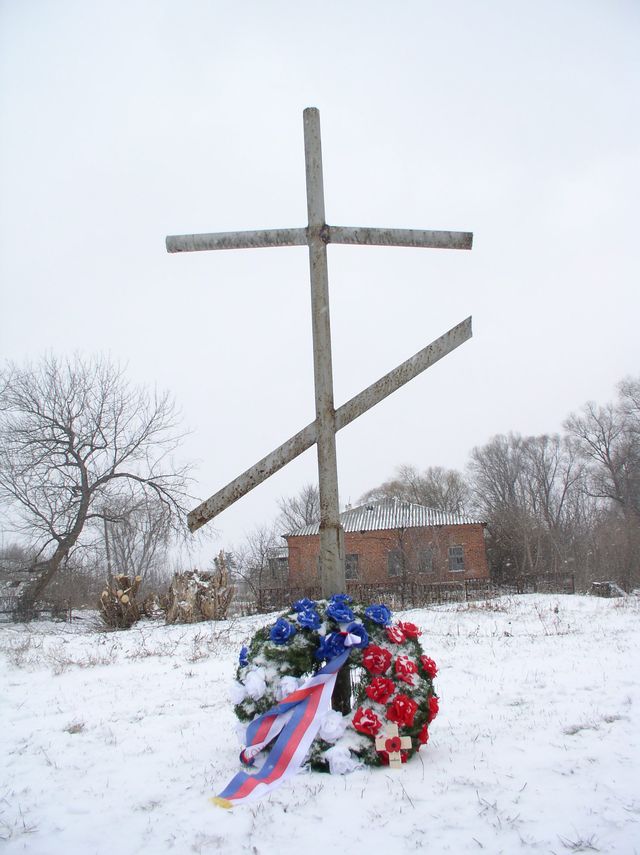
(113, 742)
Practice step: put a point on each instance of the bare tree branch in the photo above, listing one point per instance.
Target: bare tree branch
(436, 487)
(76, 438)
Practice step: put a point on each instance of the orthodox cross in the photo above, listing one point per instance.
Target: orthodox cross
(328, 420)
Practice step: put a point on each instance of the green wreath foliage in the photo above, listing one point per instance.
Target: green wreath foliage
(391, 677)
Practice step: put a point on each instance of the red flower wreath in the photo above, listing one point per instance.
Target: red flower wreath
(391, 678)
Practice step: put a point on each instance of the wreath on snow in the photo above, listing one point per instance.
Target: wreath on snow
(391, 678)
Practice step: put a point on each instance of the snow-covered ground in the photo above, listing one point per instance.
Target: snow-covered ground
(111, 743)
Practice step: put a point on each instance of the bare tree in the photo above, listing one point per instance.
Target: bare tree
(608, 440)
(299, 510)
(600, 435)
(76, 440)
(137, 539)
(553, 480)
(436, 487)
(531, 492)
(495, 470)
(256, 564)
(629, 408)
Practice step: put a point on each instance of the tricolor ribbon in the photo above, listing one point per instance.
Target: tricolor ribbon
(295, 721)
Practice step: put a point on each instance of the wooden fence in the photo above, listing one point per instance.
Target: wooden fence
(410, 594)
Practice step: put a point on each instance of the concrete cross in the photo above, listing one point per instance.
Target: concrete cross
(328, 420)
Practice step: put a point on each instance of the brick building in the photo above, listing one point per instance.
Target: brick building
(391, 539)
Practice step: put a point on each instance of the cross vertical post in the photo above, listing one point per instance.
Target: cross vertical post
(323, 429)
(332, 574)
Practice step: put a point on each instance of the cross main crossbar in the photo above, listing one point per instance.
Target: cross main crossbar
(362, 236)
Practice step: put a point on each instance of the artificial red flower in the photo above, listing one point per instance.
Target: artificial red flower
(429, 666)
(410, 630)
(402, 710)
(376, 659)
(434, 707)
(380, 689)
(366, 721)
(423, 736)
(395, 634)
(405, 669)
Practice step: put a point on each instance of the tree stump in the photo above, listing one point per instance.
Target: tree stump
(195, 596)
(118, 605)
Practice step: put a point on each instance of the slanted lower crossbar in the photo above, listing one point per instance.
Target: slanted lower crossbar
(345, 414)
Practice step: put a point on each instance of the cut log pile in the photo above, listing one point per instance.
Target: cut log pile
(118, 605)
(196, 596)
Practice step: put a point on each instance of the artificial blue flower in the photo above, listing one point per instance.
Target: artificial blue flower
(379, 614)
(303, 605)
(320, 651)
(331, 645)
(243, 658)
(358, 629)
(341, 598)
(282, 631)
(339, 612)
(309, 619)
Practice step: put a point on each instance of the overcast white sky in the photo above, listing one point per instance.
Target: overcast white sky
(125, 121)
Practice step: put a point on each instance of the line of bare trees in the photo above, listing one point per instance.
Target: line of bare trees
(87, 468)
(554, 504)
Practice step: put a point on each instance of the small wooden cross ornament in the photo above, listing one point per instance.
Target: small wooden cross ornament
(390, 742)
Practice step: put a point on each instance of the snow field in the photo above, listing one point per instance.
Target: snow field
(113, 742)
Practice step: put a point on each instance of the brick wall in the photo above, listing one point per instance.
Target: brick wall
(409, 547)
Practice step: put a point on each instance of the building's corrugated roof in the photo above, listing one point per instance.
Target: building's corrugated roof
(389, 514)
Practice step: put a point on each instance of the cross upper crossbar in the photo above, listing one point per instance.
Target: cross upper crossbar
(322, 431)
(331, 234)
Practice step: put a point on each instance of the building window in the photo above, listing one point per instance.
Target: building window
(351, 566)
(456, 559)
(394, 562)
(279, 567)
(425, 560)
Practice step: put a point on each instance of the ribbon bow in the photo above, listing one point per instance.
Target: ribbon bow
(351, 640)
